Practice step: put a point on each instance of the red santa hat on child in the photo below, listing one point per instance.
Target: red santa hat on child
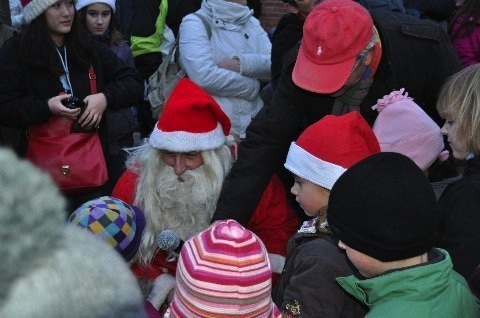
(191, 121)
(327, 148)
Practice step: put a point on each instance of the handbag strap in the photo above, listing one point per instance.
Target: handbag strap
(93, 80)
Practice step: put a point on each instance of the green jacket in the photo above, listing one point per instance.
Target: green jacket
(430, 290)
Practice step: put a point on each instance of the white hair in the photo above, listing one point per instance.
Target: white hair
(185, 206)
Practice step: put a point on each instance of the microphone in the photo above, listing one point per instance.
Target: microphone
(169, 241)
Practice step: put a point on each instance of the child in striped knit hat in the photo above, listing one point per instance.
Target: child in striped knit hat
(223, 271)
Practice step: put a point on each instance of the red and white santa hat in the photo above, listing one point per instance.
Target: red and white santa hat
(327, 148)
(191, 121)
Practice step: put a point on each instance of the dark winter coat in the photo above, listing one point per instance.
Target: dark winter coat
(24, 90)
(287, 34)
(143, 24)
(417, 55)
(307, 287)
(121, 122)
(459, 210)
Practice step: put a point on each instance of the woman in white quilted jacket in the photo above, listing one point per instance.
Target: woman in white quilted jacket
(228, 55)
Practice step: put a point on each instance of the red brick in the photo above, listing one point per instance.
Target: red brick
(272, 11)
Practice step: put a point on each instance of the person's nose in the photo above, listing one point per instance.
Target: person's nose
(65, 10)
(444, 129)
(294, 190)
(99, 20)
(179, 166)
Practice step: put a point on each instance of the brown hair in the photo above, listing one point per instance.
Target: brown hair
(116, 37)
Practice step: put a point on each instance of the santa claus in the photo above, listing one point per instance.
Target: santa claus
(176, 178)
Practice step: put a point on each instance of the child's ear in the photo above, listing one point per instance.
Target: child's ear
(290, 8)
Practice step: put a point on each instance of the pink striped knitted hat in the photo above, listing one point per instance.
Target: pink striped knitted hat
(223, 271)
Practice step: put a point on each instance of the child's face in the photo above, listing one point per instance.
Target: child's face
(98, 18)
(59, 17)
(310, 196)
(366, 265)
(459, 148)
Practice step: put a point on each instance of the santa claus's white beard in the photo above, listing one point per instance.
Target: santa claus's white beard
(183, 204)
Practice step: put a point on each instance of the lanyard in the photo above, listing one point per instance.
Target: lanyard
(65, 68)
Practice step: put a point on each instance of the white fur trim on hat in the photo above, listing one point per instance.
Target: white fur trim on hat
(83, 3)
(307, 166)
(184, 141)
(35, 8)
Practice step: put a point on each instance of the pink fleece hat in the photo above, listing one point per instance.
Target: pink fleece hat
(403, 127)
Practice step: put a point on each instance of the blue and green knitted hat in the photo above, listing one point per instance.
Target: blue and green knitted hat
(118, 223)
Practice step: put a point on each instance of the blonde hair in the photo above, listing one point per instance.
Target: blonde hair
(459, 99)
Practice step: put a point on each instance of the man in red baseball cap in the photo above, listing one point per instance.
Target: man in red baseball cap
(351, 54)
(330, 49)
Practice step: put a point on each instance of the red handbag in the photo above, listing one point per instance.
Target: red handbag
(74, 160)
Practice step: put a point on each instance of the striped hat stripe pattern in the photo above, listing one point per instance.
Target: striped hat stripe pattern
(208, 301)
(222, 271)
(214, 278)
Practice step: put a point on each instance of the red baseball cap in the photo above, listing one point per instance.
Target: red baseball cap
(334, 33)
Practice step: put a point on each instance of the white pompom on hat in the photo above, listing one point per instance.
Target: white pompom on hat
(191, 121)
(34, 8)
(83, 3)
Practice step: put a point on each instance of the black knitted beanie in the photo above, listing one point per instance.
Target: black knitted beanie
(385, 207)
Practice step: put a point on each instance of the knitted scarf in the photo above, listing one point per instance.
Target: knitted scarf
(351, 99)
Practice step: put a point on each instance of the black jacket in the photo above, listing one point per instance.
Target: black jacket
(459, 211)
(307, 287)
(417, 55)
(287, 34)
(24, 90)
(142, 18)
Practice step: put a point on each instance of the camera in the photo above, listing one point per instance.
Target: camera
(73, 102)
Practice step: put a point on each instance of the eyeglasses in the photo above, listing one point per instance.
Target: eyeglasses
(355, 66)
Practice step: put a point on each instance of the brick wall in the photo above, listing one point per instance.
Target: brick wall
(272, 11)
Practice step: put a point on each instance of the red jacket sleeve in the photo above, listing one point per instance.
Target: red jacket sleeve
(125, 187)
(274, 221)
